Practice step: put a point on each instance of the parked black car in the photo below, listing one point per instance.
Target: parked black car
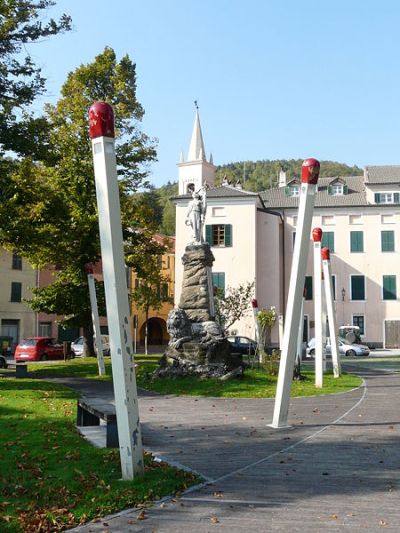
(242, 345)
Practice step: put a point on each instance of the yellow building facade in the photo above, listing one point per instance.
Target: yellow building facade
(157, 320)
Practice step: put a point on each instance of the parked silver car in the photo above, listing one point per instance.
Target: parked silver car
(346, 349)
(77, 345)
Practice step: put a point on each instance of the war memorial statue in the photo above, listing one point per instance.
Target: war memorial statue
(197, 345)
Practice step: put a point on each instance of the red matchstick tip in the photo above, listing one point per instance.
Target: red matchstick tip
(254, 303)
(101, 120)
(89, 268)
(325, 254)
(317, 234)
(310, 171)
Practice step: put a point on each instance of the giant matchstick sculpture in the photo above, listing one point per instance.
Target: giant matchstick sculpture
(326, 265)
(101, 127)
(95, 319)
(309, 179)
(319, 356)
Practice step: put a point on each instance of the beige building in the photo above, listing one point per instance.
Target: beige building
(17, 278)
(252, 235)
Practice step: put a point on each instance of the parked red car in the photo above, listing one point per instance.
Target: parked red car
(38, 349)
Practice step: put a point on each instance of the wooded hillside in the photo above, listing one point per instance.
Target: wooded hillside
(255, 176)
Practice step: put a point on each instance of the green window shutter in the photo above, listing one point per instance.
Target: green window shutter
(357, 287)
(228, 234)
(334, 287)
(218, 280)
(356, 241)
(389, 288)
(345, 189)
(396, 197)
(329, 189)
(328, 240)
(387, 241)
(308, 288)
(209, 234)
(287, 190)
(377, 198)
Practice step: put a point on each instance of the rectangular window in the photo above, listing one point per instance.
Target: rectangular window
(16, 262)
(44, 329)
(355, 219)
(387, 241)
(388, 219)
(387, 197)
(389, 288)
(334, 286)
(328, 221)
(218, 280)
(293, 239)
(356, 241)
(308, 288)
(358, 320)
(358, 287)
(164, 291)
(16, 291)
(328, 241)
(218, 211)
(219, 234)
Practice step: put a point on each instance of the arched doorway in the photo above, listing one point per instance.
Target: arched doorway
(157, 331)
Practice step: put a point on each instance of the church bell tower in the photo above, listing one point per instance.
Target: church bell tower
(196, 171)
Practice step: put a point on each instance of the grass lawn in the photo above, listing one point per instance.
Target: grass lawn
(51, 478)
(255, 384)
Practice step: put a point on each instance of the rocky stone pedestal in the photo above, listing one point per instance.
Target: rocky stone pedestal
(197, 346)
(197, 298)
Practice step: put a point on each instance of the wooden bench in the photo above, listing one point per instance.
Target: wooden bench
(91, 410)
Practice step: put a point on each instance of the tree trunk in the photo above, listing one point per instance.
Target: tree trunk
(146, 330)
(88, 348)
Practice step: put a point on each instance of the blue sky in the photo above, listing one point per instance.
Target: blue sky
(274, 78)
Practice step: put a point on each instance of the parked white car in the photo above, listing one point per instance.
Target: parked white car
(77, 345)
(346, 349)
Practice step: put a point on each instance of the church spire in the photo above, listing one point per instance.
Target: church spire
(196, 149)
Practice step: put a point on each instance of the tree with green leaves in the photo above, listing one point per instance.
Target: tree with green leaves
(49, 211)
(21, 81)
(232, 304)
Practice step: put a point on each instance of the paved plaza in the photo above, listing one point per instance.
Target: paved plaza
(336, 469)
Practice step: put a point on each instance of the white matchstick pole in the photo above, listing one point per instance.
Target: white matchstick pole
(319, 361)
(309, 179)
(326, 265)
(95, 319)
(101, 127)
(254, 305)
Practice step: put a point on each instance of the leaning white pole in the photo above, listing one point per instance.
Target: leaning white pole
(101, 127)
(319, 361)
(309, 179)
(254, 305)
(95, 319)
(300, 334)
(326, 265)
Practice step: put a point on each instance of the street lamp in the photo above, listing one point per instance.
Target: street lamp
(343, 291)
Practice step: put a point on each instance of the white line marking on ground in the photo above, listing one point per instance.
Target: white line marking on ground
(287, 448)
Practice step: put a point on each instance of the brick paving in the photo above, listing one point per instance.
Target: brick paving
(336, 469)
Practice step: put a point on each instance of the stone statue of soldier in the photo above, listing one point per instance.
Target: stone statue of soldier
(196, 215)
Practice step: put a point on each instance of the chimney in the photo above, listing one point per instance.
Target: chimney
(282, 179)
